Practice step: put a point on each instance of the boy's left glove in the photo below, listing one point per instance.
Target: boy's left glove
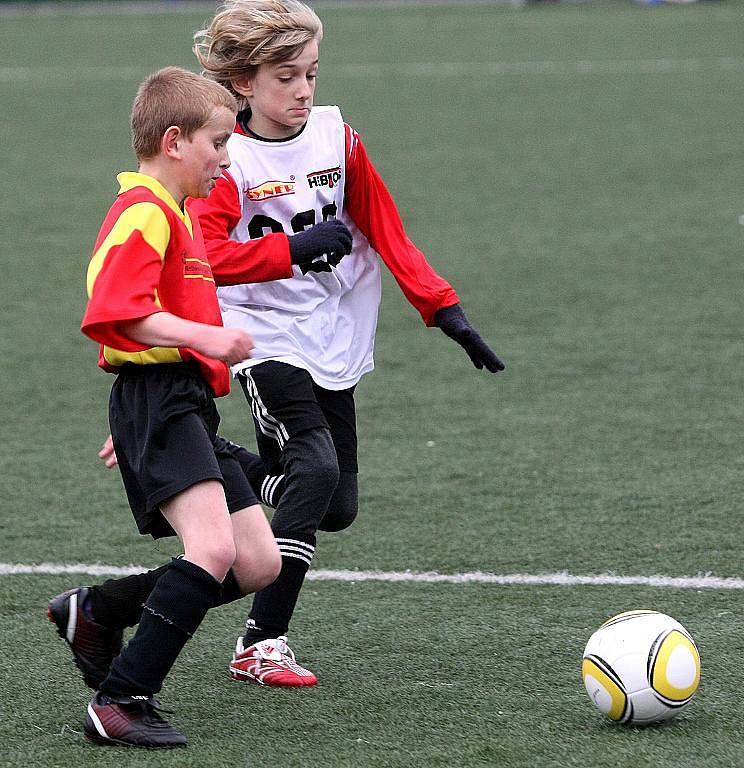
(453, 322)
(328, 238)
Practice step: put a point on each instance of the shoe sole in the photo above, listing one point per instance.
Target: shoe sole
(102, 742)
(65, 629)
(62, 612)
(92, 734)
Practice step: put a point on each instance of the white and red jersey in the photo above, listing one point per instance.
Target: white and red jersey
(323, 322)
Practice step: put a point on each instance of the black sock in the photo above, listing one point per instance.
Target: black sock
(230, 590)
(252, 465)
(117, 603)
(173, 612)
(267, 487)
(271, 489)
(274, 605)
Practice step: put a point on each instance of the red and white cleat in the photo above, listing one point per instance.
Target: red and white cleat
(270, 662)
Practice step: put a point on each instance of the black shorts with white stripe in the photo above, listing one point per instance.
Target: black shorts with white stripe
(285, 401)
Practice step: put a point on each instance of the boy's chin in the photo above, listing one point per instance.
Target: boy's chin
(204, 189)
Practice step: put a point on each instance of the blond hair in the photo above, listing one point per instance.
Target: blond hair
(247, 33)
(173, 96)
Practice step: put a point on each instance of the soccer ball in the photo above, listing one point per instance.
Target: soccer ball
(641, 667)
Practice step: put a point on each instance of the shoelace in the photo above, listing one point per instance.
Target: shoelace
(283, 648)
(151, 713)
(277, 645)
(150, 707)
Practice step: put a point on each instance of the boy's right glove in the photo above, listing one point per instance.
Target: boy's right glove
(453, 322)
(329, 237)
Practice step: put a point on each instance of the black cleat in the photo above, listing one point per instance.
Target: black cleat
(93, 645)
(133, 721)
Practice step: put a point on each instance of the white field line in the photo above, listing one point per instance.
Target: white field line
(561, 579)
(414, 69)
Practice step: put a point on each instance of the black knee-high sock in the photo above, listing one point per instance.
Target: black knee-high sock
(274, 605)
(268, 486)
(117, 603)
(172, 613)
(271, 490)
(230, 590)
(311, 466)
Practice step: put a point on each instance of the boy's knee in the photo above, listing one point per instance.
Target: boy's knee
(338, 519)
(253, 573)
(344, 506)
(320, 476)
(271, 568)
(220, 555)
(312, 463)
(311, 475)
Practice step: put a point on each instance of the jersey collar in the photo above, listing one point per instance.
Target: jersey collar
(241, 127)
(131, 179)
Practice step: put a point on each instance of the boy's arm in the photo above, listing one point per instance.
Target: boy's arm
(370, 205)
(124, 274)
(372, 209)
(231, 345)
(123, 309)
(269, 257)
(232, 263)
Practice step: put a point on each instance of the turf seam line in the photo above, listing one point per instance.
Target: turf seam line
(428, 68)
(561, 578)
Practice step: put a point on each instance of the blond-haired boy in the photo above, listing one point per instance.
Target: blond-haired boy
(153, 309)
(294, 166)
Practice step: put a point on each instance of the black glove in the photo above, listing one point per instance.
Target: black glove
(453, 322)
(329, 237)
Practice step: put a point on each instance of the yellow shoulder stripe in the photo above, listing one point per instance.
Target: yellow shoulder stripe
(153, 355)
(151, 222)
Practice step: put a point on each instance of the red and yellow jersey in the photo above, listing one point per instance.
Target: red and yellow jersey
(150, 257)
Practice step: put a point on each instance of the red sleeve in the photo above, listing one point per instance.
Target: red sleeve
(254, 261)
(372, 209)
(124, 275)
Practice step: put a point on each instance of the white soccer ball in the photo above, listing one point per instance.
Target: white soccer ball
(641, 667)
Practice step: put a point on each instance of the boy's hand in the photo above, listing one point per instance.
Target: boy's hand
(329, 237)
(453, 322)
(231, 345)
(107, 453)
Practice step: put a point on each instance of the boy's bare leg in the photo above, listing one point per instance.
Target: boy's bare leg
(173, 612)
(257, 562)
(182, 595)
(91, 619)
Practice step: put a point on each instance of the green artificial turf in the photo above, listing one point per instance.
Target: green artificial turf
(575, 172)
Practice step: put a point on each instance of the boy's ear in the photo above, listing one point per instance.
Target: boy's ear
(243, 85)
(170, 144)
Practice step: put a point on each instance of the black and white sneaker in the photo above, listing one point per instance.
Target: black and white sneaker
(93, 646)
(133, 721)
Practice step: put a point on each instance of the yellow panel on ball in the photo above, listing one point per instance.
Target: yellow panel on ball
(675, 672)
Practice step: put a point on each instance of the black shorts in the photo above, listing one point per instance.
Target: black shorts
(285, 401)
(164, 426)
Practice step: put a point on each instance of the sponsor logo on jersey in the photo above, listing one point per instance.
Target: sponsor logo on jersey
(196, 268)
(328, 178)
(269, 189)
